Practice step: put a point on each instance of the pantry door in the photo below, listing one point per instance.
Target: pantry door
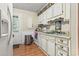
(16, 31)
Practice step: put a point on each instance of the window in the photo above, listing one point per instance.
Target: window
(15, 24)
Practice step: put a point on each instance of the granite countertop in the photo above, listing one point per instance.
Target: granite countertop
(56, 35)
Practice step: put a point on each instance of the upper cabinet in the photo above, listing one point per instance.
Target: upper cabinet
(66, 11)
(49, 12)
(40, 18)
(57, 9)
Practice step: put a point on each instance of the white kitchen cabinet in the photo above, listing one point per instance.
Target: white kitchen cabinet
(44, 21)
(3, 8)
(62, 46)
(39, 40)
(44, 44)
(66, 11)
(45, 15)
(57, 9)
(42, 41)
(51, 48)
(49, 12)
(54, 45)
(47, 43)
(40, 17)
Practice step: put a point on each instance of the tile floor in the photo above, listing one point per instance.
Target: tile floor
(28, 50)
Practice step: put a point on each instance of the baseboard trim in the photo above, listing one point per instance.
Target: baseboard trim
(41, 49)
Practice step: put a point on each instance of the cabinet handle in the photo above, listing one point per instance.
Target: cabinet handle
(61, 40)
(61, 47)
(13, 35)
(61, 54)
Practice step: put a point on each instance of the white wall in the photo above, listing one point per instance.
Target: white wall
(74, 27)
(27, 19)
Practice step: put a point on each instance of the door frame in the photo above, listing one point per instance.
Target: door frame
(78, 29)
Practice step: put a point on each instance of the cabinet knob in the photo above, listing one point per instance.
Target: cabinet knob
(61, 40)
(61, 54)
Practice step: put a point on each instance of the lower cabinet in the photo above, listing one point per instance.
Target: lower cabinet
(39, 40)
(54, 46)
(51, 48)
(47, 43)
(44, 44)
(62, 47)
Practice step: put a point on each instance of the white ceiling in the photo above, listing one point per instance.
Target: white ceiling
(35, 7)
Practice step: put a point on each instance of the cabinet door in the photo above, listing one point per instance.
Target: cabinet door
(49, 13)
(45, 14)
(57, 9)
(39, 40)
(44, 18)
(51, 48)
(66, 11)
(44, 44)
(40, 18)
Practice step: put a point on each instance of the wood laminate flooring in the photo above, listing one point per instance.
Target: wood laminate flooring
(28, 50)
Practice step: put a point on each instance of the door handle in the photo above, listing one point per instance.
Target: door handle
(10, 24)
(13, 35)
(0, 23)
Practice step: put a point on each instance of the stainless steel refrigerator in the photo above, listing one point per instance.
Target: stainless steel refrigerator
(6, 44)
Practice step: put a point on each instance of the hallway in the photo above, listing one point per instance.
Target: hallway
(28, 50)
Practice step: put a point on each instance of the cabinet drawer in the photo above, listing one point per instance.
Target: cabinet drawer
(64, 48)
(62, 41)
(61, 52)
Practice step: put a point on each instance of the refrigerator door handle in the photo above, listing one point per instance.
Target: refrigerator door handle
(0, 23)
(10, 25)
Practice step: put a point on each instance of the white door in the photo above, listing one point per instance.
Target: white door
(16, 32)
